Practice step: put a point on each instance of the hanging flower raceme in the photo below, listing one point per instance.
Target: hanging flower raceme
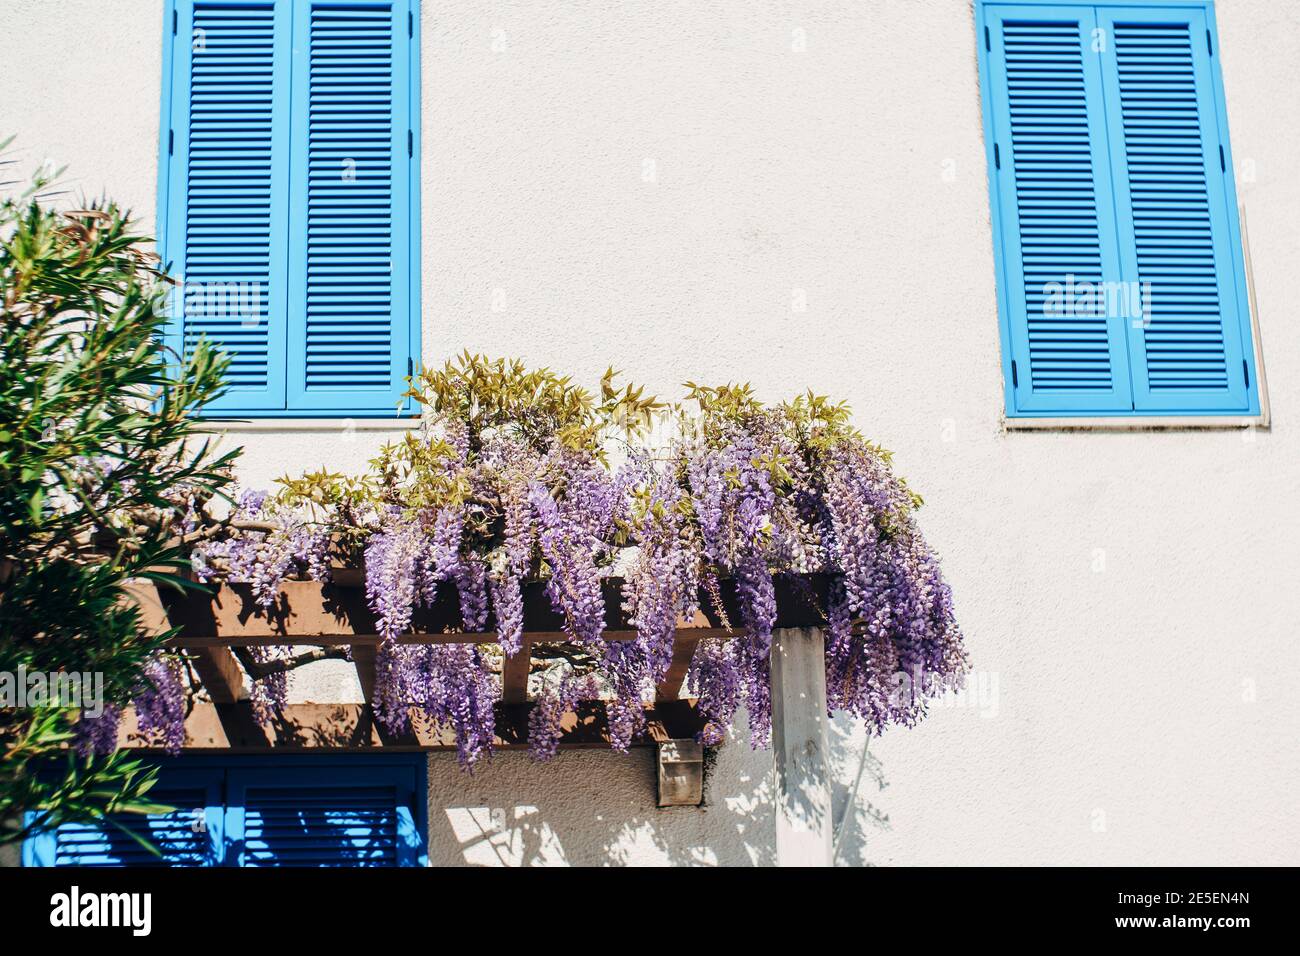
(159, 703)
(97, 736)
(892, 639)
(661, 585)
(573, 537)
(506, 473)
(461, 694)
(548, 710)
(508, 482)
(715, 677)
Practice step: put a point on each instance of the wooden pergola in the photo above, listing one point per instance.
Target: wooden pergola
(217, 631)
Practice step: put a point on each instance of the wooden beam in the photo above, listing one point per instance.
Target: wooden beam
(307, 612)
(363, 658)
(153, 613)
(309, 727)
(220, 673)
(685, 641)
(803, 793)
(514, 675)
(374, 640)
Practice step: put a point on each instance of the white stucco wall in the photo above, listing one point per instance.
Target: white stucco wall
(1128, 597)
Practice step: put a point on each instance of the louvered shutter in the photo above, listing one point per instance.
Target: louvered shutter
(1052, 181)
(350, 268)
(190, 835)
(226, 189)
(317, 817)
(1175, 211)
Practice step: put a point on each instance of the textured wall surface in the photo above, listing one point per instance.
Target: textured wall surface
(661, 186)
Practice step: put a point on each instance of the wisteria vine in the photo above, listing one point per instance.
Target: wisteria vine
(518, 476)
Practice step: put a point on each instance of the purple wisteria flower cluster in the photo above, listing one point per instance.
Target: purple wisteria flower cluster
(447, 684)
(519, 476)
(892, 639)
(274, 544)
(159, 703)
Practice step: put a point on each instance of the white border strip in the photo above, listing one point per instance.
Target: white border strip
(1149, 423)
(1261, 383)
(218, 427)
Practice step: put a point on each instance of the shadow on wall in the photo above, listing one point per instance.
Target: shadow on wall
(597, 808)
(857, 775)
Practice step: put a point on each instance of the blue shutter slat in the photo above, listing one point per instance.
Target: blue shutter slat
(1175, 212)
(190, 835)
(226, 189)
(350, 264)
(1054, 215)
(332, 826)
(316, 817)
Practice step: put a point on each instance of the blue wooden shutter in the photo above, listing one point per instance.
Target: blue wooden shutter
(1052, 182)
(363, 816)
(350, 268)
(1176, 211)
(190, 835)
(226, 189)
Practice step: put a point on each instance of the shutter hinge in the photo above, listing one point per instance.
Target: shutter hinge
(174, 20)
(987, 44)
(410, 367)
(1245, 372)
(1015, 376)
(1209, 43)
(410, 23)
(1223, 163)
(171, 141)
(997, 157)
(410, 143)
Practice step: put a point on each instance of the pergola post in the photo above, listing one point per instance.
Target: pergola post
(803, 792)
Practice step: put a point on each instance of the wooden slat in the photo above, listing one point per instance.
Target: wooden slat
(350, 727)
(220, 673)
(514, 675)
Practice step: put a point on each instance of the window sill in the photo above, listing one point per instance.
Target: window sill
(1147, 423)
(221, 426)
